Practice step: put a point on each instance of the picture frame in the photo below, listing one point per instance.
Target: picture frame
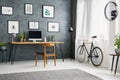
(48, 11)
(28, 8)
(33, 24)
(7, 10)
(13, 27)
(53, 27)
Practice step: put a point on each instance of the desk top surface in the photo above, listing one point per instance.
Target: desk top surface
(36, 42)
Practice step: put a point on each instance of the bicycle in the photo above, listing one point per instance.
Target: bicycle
(95, 54)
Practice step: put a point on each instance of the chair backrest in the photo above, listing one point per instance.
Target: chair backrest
(49, 45)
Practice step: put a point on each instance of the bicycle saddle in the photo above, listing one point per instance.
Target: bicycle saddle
(94, 37)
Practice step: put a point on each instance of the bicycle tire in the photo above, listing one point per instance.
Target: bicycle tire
(81, 53)
(96, 56)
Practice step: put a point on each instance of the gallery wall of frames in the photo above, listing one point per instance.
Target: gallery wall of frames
(52, 17)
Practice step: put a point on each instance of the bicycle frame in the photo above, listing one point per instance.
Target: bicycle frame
(91, 48)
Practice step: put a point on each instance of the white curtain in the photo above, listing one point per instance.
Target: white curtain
(91, 21)
(81, 28)
(81, 20)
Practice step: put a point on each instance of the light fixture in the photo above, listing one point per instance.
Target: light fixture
(112, 8)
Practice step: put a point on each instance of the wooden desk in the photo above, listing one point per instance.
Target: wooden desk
(36, 42)
(113, 62)
(14, 44)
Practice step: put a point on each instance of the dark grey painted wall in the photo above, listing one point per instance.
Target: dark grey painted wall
(62, 15)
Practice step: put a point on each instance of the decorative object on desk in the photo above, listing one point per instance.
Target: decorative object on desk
(13, 37)
(53, 27)
(45, 39)
(2, 45)
(13, 27)
(52, 38)
(7, 10)
(28, 9)
(33, 25)
(48, 11)
(117, 43)
(22, 37)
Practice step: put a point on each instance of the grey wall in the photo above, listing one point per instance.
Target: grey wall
(62, 15)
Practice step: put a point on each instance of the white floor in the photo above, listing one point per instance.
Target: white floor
(26, 66)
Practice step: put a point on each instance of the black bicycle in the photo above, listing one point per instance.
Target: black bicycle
(95, 54)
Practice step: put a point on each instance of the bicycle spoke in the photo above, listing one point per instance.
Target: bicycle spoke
(96, 56)
(81, 53)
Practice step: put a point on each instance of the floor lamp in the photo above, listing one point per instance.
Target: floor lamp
(71, 31)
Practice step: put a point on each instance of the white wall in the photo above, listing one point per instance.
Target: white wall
(97, 24)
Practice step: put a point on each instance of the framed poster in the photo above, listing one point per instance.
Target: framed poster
(33, 25)
(28, 9)
(53, 27)
(13, 26)
(7, 10)
(48, 11)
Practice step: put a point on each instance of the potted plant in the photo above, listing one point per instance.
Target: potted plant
(52, 37)
(3, 45)
(22, 37)
(117, 44)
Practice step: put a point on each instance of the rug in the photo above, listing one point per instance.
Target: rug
(67, 74)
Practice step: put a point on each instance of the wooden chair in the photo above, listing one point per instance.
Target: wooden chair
(47, 54)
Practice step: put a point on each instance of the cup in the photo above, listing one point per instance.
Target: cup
(45, 39)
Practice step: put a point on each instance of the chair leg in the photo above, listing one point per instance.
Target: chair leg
(44, 61)
(2, 57)
(6, 57)
(36, 60)
(55, 60)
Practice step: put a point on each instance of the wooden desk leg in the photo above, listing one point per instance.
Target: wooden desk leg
(112, 63)
(13, 54)
(116, 64)
(61, 52)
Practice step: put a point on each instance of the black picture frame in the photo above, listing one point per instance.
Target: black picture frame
(28, 9)
(53, 27)
(33, 25)
(6, 10)
(48, 11)
(13, 26)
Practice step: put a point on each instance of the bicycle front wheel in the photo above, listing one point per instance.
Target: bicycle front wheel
(81, 53)
(96, 56)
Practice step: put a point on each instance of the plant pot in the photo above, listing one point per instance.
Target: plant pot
(117, 51)
(21, 40)
(3, 47)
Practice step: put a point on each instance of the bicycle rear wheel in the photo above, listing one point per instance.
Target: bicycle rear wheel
(96, 56)
(81, 53)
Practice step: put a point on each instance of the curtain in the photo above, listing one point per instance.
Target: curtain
(81, 23)
(91, 21)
